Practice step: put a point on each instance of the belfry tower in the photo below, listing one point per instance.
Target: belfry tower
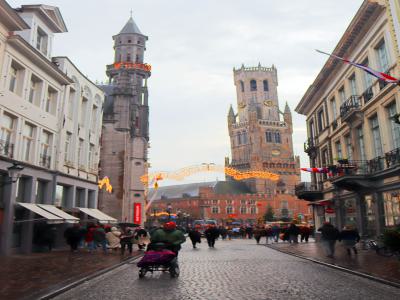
(260, 134)
(125, 133)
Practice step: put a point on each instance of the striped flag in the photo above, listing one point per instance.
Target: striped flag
(315, 170)
(381, 76)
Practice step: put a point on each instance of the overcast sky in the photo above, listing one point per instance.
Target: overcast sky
(193, 46)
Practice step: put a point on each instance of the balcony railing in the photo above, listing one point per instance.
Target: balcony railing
(366, 167)
(310, 144)
(368, 94)
(308, 187)
(45, 161)
(6, 148)
(309, 191)
(350, 106)
(392, 158)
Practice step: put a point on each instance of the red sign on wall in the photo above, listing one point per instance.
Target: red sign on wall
(137, 213)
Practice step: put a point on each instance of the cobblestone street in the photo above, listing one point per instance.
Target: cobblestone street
(237, 269)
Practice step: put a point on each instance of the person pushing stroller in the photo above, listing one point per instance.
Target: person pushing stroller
(168, 234)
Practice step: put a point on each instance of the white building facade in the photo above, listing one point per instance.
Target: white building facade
(49, 127)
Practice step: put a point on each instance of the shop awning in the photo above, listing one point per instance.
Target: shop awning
(51, 218)
(58, 212)
(98, 215)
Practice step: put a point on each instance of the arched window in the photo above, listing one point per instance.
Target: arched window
(265, 83)
(277, 137)
(242, 86)
(253, 85)
(268, 135)
(239, 138)
(128, 57)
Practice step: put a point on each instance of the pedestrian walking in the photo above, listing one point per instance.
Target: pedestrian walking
(211, 234)
(126, 240)
(293, 232)
(276, 230)
(329, 235)
(113, 238)
(195, 236)
(305, 232)
(249, 231)
(73, 236)
(99, 238)
(349, 236)
(142, 238)
(89, 238)
(223, 231)
(258, 233)
(269, 234)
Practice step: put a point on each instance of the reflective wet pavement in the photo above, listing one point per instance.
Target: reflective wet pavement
(237, 269)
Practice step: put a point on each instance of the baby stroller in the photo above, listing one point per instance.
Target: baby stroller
(158, 258)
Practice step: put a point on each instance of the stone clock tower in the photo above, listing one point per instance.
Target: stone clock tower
(260, 134)
(125, 132)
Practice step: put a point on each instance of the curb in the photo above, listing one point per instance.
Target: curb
(343, 269)
(71, 285)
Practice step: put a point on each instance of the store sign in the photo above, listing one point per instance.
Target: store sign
(329, 210)
(137, 213)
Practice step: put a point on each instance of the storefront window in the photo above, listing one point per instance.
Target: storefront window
(392, 207)
(369, 203)
(350, 212)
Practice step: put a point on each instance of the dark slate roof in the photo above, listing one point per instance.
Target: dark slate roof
(130, 27)
(108, 101)
(176, 191)
(231, 187)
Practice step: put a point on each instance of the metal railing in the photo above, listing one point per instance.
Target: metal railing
(308, 187)
(368, 94)
(366, 167)
(310, 143)
(6, 148)
(351, 104)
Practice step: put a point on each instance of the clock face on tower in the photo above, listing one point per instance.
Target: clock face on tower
(275, 152)
(268, 103)
(242, 105)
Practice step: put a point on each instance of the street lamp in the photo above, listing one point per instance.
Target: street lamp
(13, 174)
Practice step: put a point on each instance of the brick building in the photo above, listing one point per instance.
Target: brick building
(260, 134)
(223, 200)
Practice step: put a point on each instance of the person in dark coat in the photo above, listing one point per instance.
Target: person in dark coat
(211, 234)
(349, 236)
(223, 231)
(258, 233)
(305, 232)
(293, 232)
(329, 235)
(276, 230)
(195, 236)
(249, 232)
(140, 236)
(126, 240)
(73, 236)
(99, 238)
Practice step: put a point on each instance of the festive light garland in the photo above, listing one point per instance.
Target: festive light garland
(188, 171)
(105, 181)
